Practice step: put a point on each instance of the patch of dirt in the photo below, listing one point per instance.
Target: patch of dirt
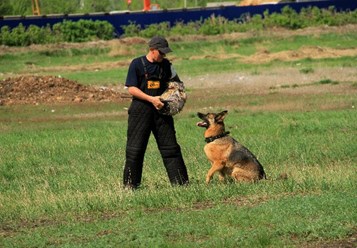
(261, 57)
(314, 52)
(75, 68)
(262, 82)
(50, 89)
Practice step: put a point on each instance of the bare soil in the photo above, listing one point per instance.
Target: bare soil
(50, 89)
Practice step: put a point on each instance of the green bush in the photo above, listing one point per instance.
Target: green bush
(87, 30)
(131, 30)
(84, 30)
(19, 36)
(288, 18)
(39, 35)
(104, 30)
(5, 36)
(314, 16)
(67, 31)
(162, 28)
(214, 25)
(181, 28)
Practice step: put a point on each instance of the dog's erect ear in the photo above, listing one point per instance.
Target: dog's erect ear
(220, 116)
(200, 115)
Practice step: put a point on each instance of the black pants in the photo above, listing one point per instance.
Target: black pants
(144, 120)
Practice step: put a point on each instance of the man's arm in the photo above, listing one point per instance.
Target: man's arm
(136, 92)
(176, 79)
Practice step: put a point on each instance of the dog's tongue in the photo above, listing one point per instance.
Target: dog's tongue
(201, 124)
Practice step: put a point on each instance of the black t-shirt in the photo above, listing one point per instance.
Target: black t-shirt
(155, 72)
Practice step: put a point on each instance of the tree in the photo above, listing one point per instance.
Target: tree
(5, 8)
(59, 7)
(100, 6)
(21, 7)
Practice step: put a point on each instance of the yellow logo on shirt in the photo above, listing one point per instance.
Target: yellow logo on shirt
(153, 84)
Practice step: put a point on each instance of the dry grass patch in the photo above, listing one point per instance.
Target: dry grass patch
(314, 52)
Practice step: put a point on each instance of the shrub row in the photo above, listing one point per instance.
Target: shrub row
(66, 31)
(288, 18)
(87, 30)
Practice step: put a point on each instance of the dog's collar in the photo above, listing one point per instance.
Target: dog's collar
(213, 138)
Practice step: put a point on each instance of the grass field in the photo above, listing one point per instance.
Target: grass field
(61, 164)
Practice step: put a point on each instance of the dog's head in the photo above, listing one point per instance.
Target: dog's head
(211, 119)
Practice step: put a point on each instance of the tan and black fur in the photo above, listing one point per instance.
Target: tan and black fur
(227, 156)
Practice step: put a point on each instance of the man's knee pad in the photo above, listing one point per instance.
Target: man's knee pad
(174, 164)
(133, 166)
(134, 154)
(170, 151)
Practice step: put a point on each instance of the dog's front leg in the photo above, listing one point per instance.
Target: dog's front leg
(216, 166)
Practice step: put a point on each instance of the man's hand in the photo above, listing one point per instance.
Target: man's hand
(155, 100)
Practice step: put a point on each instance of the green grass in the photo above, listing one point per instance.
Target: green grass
(307, 70)
(98, 77)
(243, 226)
(25, 62)
(61, 183)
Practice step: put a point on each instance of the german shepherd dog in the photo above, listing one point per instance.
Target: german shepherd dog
(227, 156)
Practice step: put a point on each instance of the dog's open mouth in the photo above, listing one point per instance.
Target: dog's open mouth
(202, 124)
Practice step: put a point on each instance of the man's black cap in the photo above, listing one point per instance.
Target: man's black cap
(160, 43)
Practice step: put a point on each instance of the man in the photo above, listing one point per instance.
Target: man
(146, 80)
